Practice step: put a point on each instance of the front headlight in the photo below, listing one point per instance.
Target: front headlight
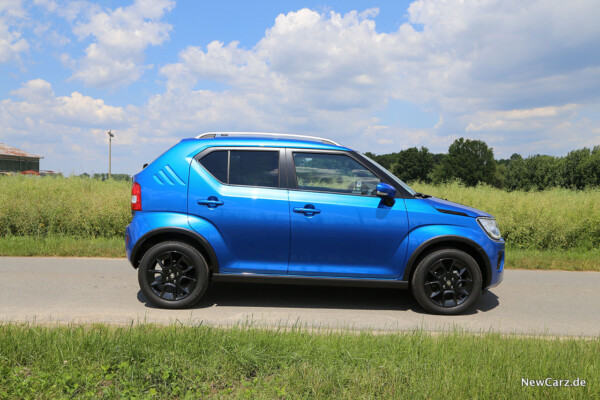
(490, 227)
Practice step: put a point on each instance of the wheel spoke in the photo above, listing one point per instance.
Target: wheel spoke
(156, 271)
(452, 262)
(164, 292)
(173, 276)
(438, 265)
(175, 289)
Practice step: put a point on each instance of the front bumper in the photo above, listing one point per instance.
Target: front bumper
(497, 256)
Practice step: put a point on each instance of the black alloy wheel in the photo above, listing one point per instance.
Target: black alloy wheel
(173, 275)
(447, 282)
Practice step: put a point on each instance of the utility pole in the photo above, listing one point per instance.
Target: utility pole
(110, 136)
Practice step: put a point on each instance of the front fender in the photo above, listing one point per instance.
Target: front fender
(423, 238)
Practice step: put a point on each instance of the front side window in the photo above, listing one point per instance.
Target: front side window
(333, 173)
(243, 167)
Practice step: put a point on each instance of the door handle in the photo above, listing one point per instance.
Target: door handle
(308, 210)
(211, 202)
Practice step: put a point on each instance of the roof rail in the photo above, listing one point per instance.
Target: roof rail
(284, 135)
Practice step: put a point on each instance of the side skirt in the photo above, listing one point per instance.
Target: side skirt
(309, 280)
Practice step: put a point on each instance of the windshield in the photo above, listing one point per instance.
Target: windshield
(392, 176)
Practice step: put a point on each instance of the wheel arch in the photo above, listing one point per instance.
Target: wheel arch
(175, 234)
(450, 241)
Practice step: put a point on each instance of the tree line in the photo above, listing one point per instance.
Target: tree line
(472, 162)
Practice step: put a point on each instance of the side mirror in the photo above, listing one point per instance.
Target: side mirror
(384, 190)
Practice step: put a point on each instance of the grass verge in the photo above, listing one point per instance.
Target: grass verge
(567, 260)
(146, 361)
(66, 246)
(61, 246)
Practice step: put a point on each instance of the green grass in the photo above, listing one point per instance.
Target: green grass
(147, 361)
(61, 246)
(553, 229)
(88, 208)
(67, 246)
(551, 219)
(568, 260)
(80, 207)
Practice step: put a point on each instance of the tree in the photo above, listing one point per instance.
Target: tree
(414, 164)
(471, 161)
(515, 174)
(581, 168)
(542, 171)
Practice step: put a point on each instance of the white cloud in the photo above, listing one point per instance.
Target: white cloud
(520, 75)
(11, 41)
(121, 36)
(470, 63)
(520, 120)
(39, 105)
(72, 129)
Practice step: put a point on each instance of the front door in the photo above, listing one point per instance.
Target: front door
(339, 227)
(237, 198)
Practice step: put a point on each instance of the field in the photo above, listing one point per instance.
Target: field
(552, 229)
(146, 361)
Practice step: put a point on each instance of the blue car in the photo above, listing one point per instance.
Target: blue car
(276, 208)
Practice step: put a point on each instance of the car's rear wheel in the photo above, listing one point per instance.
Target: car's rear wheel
(447, 281)
(173, 275)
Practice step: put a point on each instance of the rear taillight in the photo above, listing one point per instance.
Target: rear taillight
(136, 197)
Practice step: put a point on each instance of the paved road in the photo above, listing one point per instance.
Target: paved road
(103, 290)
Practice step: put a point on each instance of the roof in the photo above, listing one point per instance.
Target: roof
(6, 150)
(209, 135)
(226, 141)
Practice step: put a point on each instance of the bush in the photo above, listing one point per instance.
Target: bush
(554, 218)
(40, 206)
(90, 208)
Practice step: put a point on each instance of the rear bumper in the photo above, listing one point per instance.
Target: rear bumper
(134, 231)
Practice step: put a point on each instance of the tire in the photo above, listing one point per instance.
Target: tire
(447, 282)
(173, 275)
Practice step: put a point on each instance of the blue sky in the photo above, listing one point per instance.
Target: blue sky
(378, 76)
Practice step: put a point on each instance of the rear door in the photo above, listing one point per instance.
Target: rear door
(241, 193)
(339, 227)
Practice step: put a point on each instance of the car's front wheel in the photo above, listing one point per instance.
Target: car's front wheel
(173, 275)
(447, 281)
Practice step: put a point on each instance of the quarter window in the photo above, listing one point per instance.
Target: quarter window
(333, 173)
(216, 163)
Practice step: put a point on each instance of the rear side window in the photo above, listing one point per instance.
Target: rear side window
(244, 167)
(254, 168)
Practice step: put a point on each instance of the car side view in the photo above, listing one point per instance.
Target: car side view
(276, 208)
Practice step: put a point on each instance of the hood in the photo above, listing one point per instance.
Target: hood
(450, 207)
